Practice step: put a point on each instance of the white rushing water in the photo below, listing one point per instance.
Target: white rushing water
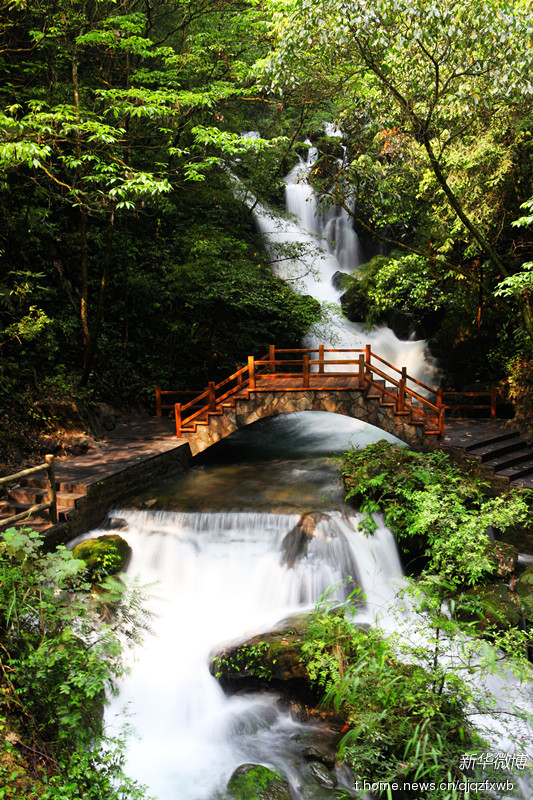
(221, 575)
(329, 245)
(222, 578)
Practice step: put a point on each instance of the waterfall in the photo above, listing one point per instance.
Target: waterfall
(328, 245)
(223, 578)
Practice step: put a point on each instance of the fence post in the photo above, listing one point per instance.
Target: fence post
(368, 356)
(272, 357)
(493, 400)
(52, 497)
(401, 390)
(321, 358)
(177, 414)
(441, 412)
(211, 396)
(251, 371)
(157, 401)
(305, 382)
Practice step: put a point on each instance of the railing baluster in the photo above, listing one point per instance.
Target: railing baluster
(272, 357)
(52, 497)
(211, 395)
(305, 381)
(158, 411)
(321, 358)
(177, 414)
(493, 400)
(251, 371)
(361, 371)
(401, 390)
(368, 351)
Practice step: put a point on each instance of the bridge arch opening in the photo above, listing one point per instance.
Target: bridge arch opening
(295, 434)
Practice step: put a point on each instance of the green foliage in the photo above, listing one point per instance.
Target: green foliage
(62, 651)
(406, 715)
(426, 495)
(248, 658)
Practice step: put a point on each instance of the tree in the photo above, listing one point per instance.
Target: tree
(445, 95)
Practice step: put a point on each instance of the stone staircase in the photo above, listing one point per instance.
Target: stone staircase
(33, 490)
(508, 454)
(414, 412)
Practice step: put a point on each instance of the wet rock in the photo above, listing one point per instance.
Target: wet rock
(256, 782)
(524, 589)
(311, 753)
(340, 279)
(295, 544)
(322, 775)
(489, 605)
(503, 556)
(105, 555)
(116, 524)
(272, 656)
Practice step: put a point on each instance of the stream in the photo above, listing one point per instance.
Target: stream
(211, 545)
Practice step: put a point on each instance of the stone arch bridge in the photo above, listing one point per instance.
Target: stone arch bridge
(357, 383)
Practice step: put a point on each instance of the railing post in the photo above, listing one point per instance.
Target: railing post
(361, 371)
(177, 414)
(251, 371)
(441, 412)
(272, 357)
(321, 358)
(157, 401)
(401, 390)
(52, 497)
(211, 396)
(305, 382)
(368, 356)
(493, 400)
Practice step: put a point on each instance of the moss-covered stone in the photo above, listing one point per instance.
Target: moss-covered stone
(272, 656)
(524, 589)
(503, 556)
(256, 782)
(105, 555)
(485, 606)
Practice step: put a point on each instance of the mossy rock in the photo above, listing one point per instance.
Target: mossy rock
(105, 555)
(255, 782)
(503, 556)
(524, 589)
(272, 656)
(492, 605)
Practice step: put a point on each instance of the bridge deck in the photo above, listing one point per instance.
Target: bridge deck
(281, 382)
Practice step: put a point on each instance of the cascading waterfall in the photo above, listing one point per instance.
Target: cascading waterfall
(224, 575)
(223, 578)
(328, 244)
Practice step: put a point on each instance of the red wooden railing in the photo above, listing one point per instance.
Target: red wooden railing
(283, 369)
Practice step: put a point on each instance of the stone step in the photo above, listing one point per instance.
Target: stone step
(61, 486)
(10, 507)
(32, 496)
(496, 450)
(502, 437)
(512, 460)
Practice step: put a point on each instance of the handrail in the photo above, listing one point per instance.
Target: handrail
(268, 373)
(50, 504)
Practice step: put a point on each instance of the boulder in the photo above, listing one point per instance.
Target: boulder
(295, 544)
(502, 556)
(271, 657)
(492, 605)
(524, 589)
(256, 782)
(105, 555)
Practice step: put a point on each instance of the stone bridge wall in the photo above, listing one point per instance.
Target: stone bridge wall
(352, 403)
